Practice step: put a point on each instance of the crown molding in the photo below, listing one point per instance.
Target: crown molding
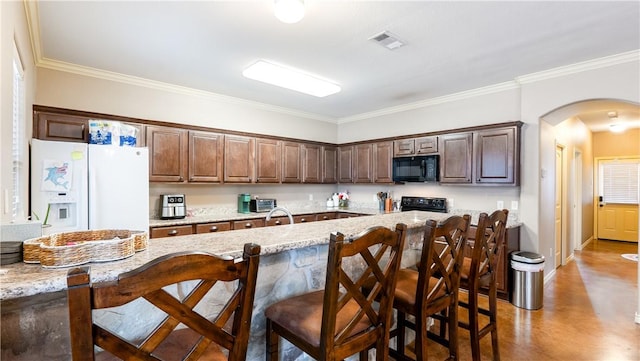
(593, 64)
(31, 12)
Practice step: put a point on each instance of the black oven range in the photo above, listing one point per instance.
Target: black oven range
(423, 204)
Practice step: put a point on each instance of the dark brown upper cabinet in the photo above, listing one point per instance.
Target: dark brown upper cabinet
(382, 162)
(239, 159)
(167, 154)
(205, 157)
(363, 163)
(268, 160)
(455, 163)
(311, 163)
(415, 146)
(345, 164)
(496, 156)
(329, 164)
(291, 162)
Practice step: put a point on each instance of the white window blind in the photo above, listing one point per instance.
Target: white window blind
(620, 181)
(17, 134)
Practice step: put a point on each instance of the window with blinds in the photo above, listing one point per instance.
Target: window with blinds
(17, 134)
(619, 181)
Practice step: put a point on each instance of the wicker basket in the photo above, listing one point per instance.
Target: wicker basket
(76, 248)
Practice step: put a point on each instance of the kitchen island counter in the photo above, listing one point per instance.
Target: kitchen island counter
(293, 261)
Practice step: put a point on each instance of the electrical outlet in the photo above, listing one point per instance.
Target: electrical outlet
(514, 205)
(375, 197)
(310, 197)
(451, 203)
(500, 205)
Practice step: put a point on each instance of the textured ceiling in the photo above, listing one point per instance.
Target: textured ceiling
(450, 46)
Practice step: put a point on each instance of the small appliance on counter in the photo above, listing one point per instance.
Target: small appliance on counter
(244, 200)
(174, 206)
(262, 204)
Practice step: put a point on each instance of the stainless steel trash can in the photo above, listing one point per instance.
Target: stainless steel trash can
(528, 280)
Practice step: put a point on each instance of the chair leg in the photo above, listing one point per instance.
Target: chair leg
(272, 343)
(453, 330)
(400, 329)
(493, 319)
(421, 338)
(474, 335)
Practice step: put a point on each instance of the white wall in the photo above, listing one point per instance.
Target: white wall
(78, 92)
(13, 26)
(618, 81)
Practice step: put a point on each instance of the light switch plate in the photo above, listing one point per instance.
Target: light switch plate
(514, 205)
(500, 205)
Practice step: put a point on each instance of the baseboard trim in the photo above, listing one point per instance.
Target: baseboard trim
(585, 243)
(548, 277)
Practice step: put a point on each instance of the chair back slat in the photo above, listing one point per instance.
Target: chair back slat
(489, 240)
(149, 282)
(441, 260)
(379, 250)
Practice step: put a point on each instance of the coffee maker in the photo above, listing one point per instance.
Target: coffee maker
(173, 206)
(244, 201)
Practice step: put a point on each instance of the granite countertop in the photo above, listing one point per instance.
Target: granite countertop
(21, 280)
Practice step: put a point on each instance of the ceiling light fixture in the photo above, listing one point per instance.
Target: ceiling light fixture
(615, 127)
(290, 78)
(289, 11)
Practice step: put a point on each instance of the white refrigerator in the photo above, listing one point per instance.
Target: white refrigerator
(78, 186)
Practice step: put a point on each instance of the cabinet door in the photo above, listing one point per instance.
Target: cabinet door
(61, 127)
(268, 159)
(426, 145)
(205, 157)
(239, 159)
(311, 163)
(167, 154)
(455, 163)
(383, 158)
(404, 147)
(495, 156)
(363, 163)
(329, 164)
(291, 162)
(345, 164)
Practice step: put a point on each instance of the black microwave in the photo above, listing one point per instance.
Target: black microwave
(416, 169)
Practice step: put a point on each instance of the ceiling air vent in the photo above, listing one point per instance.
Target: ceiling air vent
(387, 40)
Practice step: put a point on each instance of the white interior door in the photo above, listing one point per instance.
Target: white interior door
(618, 196)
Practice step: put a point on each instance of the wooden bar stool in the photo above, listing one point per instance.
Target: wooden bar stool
(201, 339)
(341, 320)
(478, 271)
(432, 289)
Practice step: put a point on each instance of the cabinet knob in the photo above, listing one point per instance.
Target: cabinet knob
(303, 220)
(325, 218)
(213, 229)
(173, 232)
(181, 179)
(478, 180)
(248, 225)
(278, 223)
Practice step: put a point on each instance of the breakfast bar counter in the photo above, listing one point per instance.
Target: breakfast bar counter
(293, 261)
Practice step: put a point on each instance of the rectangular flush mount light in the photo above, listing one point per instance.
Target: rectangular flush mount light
(290, 78)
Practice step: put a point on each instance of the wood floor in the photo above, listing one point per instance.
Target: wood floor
(588, 313)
